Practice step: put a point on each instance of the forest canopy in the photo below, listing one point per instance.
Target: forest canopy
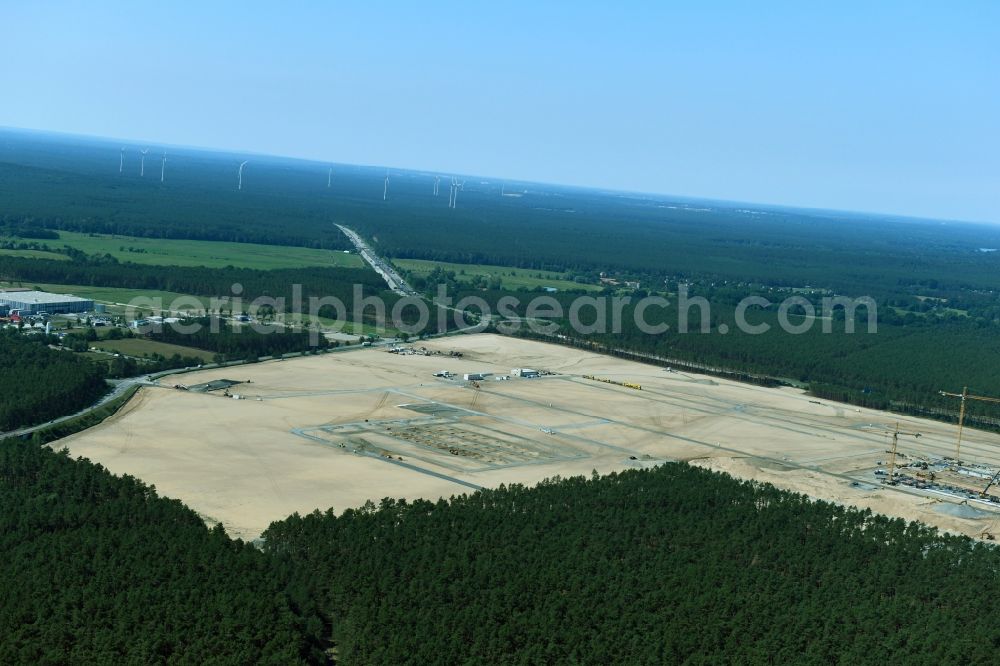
(665, 565)
(40, 383)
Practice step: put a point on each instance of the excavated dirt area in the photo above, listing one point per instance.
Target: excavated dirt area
(339, 429)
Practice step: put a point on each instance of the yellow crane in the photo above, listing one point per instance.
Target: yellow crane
(896, 432)
(964, 395)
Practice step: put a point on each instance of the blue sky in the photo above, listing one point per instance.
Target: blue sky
(890, 107)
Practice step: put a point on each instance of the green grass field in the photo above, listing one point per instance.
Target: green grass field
(511, 278)
(141, 347)
(213, 254)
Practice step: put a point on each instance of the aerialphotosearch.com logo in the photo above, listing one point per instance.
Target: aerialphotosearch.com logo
(539, 314)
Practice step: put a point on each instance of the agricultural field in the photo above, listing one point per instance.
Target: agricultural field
(338, 430)
(212, 254)
(140, 347)
(511, 278)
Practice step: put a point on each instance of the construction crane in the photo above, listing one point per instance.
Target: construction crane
(964, 395)
(993, 482)
(896, 432)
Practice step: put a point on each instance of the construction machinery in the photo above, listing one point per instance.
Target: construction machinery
(630, 385)
(984, 493)
(896, 432)
(964, 395)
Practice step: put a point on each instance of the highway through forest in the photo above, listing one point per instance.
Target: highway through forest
(381, 266)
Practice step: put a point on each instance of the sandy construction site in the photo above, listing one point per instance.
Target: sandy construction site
(339, 429)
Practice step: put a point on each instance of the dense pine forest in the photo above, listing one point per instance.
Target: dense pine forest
(73, 183)
(670, 565)
(40, 384)
(667, 565)
(63, 183)
(97, 569)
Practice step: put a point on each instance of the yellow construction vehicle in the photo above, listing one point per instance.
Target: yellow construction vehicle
(630, 385)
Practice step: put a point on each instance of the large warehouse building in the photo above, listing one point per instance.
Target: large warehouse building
(33, 302)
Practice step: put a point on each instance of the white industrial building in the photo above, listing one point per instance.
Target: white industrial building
(32, 302)
(525, 372)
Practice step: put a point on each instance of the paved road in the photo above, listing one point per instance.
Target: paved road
(119, 388)
(392, 278)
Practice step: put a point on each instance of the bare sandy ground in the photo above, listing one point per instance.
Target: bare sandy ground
(299, 441)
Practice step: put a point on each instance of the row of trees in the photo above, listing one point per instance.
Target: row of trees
(232, 342)
(106, 271)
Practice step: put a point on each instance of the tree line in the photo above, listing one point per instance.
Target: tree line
(232, 341)
(107, 271)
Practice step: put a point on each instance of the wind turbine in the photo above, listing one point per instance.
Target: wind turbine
(239, 175)
(385, 190)
(329, 177)
(121, 161)
(142, 162)
(163, 166)
(437, 184)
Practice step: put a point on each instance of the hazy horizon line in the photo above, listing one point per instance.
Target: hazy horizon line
(840, 212)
